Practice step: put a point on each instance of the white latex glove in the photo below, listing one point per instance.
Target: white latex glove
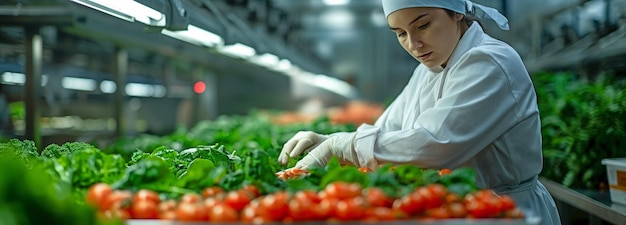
(302, 141)
(338, 144)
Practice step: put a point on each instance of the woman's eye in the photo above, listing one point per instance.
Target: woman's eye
(401, 34)
(424, 26)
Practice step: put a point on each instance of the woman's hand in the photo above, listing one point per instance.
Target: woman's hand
(338, 144)
(301, 142)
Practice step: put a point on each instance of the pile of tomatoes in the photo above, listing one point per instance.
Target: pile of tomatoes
(338, 201)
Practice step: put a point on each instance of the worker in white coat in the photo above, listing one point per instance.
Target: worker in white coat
(470, 103)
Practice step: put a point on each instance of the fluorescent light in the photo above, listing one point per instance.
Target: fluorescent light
(267, 60)
(19, 78)
(159, 91)
(195, 35)
(13, 78)
(127, 10)
(44, 80)
(336, 2)
(284, 65)
(338, 18)
(238, 50)
(79, 84)
(107, 86)
(334, 85)
(139, 90)
(378, 18)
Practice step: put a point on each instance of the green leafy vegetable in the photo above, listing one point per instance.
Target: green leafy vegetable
(583, 122)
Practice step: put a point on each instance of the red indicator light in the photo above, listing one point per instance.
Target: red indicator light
(199, 87)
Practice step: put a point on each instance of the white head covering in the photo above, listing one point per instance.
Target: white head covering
(460, 6)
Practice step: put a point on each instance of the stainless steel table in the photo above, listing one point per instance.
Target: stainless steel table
(594, 202)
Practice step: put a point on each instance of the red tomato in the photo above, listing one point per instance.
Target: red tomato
(190, 198)
(255, 213)
(261, 220)
(97, 193)
(252, 190)
(376, 197)
(364, 170)
(327, 208)
(237, 199)
(300, 209)
(296, 172)
(144, 209)
(190, 212)
(274, 207)
(210, 202)
(168, 215)
(444, 171)
(343, 190)
(308, 194)
(477, 209)
(484, 194)
(437, 213)
(456, 210)
(452, 197)
(514, 214)
(167, 205)
(438, 190)
(117, 214)
(411, 204)
(212, 191)
(249, 213)
(507, 202)
(117, 199)
(350, 209)
(494, 206)
(380, 214)
(223, 213)
(431, 199)
(282, 176)
(146, 195)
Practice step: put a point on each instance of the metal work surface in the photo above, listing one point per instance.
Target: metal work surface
(527, 221)
(588, 201)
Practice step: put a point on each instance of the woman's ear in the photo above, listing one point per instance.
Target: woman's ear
(459, 16)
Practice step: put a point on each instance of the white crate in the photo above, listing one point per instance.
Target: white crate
(616, 173)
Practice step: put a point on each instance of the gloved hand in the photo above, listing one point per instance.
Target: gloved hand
(302, 141)
(338, 144)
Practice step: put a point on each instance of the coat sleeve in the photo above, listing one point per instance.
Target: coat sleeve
(477, 106)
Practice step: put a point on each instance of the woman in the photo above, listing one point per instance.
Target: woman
(470, 103)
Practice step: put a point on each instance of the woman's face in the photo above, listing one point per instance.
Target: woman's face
(428, 34)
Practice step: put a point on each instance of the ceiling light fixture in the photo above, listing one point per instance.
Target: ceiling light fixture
(336, 2)
(237, 50)
(139, 90)
(79, 84)
(267, 60)
(128, 10)
(196, 35)
(13, 78)
(108, 86)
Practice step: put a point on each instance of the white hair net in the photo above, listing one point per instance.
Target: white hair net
(460, 6)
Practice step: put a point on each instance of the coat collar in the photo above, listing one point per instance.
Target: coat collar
(472, 38)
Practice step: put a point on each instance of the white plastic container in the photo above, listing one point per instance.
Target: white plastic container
(616, 173)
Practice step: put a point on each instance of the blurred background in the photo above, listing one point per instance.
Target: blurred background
(96, 69)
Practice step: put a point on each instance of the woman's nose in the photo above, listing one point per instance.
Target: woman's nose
(415, 43)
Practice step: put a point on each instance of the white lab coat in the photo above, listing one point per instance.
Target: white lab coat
(479, 112)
